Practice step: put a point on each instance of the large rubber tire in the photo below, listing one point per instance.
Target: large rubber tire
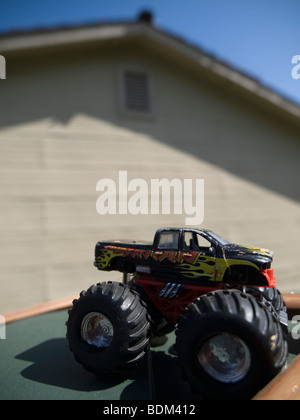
(269, 296)
(108, 329)
(274, 297)
(229, 345)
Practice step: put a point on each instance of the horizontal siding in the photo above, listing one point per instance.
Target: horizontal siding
(57, 145)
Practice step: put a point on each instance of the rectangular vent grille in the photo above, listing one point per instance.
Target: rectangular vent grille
(137, 94)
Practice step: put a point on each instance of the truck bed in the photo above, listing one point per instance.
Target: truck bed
(125, 244)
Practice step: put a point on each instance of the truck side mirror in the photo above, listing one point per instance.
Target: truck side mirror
(211, 250)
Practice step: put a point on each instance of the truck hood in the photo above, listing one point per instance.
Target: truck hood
(253, 253)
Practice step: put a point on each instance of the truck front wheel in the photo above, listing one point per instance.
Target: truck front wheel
(108, 329)
(229, 346)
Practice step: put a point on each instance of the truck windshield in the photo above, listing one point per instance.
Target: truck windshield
(218, 238)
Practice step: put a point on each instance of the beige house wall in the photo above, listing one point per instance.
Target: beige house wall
(61, 131)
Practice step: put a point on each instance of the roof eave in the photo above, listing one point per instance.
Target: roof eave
(36, 39)
(82, 34)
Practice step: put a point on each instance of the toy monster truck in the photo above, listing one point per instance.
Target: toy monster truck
(230, 319)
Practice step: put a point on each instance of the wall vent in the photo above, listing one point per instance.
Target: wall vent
(136, 92)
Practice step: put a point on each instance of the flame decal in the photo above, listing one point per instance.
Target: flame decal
(197, 265)
(190, 266)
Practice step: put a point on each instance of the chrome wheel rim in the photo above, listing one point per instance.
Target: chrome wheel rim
(225, 357)
(97, 330)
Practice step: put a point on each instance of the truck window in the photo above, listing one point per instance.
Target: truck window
(168, 240)
(188, 241)
(195, 242)
(202, 242)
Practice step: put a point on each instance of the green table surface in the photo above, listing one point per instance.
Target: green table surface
(36, 364)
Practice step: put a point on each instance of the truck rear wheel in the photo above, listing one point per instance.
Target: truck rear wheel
(229, 346)
(108, 329)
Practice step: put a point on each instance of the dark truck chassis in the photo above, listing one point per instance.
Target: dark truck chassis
(230, 319)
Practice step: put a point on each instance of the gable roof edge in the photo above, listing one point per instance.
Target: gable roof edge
(108, 31)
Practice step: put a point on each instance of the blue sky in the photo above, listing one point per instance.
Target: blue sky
(259, 37)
